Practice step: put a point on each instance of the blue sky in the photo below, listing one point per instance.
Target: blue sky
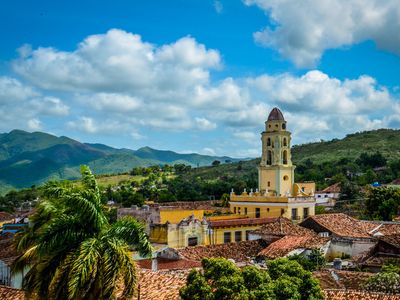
(198, 75)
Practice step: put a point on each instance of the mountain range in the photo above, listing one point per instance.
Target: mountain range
(32, 158)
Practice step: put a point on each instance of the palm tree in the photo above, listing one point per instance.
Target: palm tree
(73, 252)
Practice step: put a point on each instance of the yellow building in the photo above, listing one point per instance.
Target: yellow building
(277, 193)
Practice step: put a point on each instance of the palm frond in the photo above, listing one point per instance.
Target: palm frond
(132, 232)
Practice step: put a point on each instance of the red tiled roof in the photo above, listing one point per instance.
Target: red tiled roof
(339, 279)
(239, 252)
(239, 222)
(8, 252)
(281, 227)
(8, 293)
(285, 245)
(161, 285)
(5, 216)
(358, 295)
(334, 188)
(340, 225)
(169, 264)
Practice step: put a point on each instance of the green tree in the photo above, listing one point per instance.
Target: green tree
(221, 279)
(216, 163)
(72, 250)
(386, 282)
(382, 203)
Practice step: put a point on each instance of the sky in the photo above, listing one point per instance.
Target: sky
(198, 75)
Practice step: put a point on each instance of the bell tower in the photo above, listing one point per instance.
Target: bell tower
(276, 171)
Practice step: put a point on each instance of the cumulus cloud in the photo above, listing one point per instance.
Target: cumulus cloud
(116, 83)
(22, 106)
(303, 30)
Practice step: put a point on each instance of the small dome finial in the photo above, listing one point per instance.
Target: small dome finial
(275, 115)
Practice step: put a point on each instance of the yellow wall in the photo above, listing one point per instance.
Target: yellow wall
(304, 188)
(174, 216)
(217, 236)
(159, 233)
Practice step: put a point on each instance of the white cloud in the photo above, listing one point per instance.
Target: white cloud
(204, 124)
(34, 124)
(303, 30)
(22, 106)
(208, 151)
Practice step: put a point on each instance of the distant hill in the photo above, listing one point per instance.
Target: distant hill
(33, 158)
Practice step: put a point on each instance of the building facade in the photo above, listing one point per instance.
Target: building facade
(277, 194)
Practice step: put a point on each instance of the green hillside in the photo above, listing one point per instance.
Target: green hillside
(386, 141)
(33, 158)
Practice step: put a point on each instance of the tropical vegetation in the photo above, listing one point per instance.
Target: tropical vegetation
(72, 249)
(221, 279)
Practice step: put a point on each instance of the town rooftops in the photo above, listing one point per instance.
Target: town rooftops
(334, 188)
(289, 243)
(169, 264)
(340, 279)
(161, 285)
(275, 115)
(8, 293)
(281, 227)
(359, 295)
(338, 224)
(239, 252)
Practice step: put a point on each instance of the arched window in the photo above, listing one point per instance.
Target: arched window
(285, 157)
(269, 142)
(269, 158)
(285, 177)
(284, 142)
(283, 126)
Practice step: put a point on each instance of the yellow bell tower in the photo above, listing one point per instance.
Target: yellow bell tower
(276, 171)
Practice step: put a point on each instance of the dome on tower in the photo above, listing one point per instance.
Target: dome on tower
(276, 115)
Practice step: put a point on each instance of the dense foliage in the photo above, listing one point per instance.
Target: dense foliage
(221, 279)
(71, 248)
(382, 203)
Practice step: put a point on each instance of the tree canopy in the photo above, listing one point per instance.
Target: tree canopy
(72, 251)
(221, 279)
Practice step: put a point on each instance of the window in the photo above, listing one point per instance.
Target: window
(285, 177)
(238, 236)
(248, 235)
(282, 211)
(305, 212)
(268, 142)
(267, 209)
(192, 241)
(303, 188)
(234, 210)
(269, 157)
(319, 196)
(276, 125)
(227, 237)
(326, 196)
(294, 214)
(245, 210)
(269, 183)
(285, 160)
(283, 126)
(284, 142)
(258, 212)
(239, 210)
(324, 234)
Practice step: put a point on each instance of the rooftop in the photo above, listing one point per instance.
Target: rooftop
(239, 252)
(335, 279)
(334, 188)
(169, 264)
(161, 285)
(357, 294)
(7, 249)
(339, 224)
(275, 115)
(282, 226)
(8, 293)
(287, 244)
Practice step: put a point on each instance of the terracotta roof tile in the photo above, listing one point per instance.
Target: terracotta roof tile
(339, 224)
(339, 279)
(169, 264)
(5, 216)
(275, 115)
(239, 252)
(8, 293)
(358, 295)
(161, 285)
(239, 222)
(281, 227)
(334, 188)
(285, 245)
(7, 248)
